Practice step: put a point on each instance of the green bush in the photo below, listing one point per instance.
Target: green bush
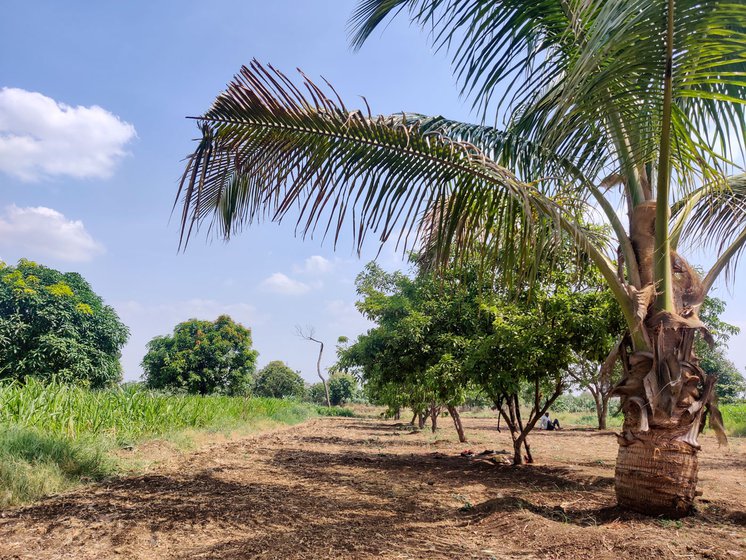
(734, 418)
(316, 393)
(334, 411)
(277, 380)
(342, 388)
(574, 403)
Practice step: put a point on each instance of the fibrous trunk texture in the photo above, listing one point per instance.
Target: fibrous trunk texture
(657, 476)
(664, 393)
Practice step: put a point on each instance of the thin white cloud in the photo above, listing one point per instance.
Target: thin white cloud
(41, 137)
(46, 233)
(279, 283)
(315, 264)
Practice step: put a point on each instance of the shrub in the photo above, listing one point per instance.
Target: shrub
(278, 381)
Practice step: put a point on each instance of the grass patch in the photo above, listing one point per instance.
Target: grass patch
(34, 464)
(54, 436)
(335, 411)
(734, 418)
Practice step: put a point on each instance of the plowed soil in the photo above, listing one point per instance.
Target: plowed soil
(353, 488)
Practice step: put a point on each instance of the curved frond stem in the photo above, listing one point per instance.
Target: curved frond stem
(681, 215)
(633, 271)
(724, 260)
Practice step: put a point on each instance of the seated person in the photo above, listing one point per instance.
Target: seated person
(548, 424)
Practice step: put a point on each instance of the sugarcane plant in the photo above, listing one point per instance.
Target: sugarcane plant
(607, 104)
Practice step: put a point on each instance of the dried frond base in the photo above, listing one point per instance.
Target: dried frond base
(656, 476)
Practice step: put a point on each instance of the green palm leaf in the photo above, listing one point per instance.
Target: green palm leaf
(586, 76)
(269, 148)
(714, 217)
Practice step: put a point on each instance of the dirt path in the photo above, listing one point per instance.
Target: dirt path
(351, 488)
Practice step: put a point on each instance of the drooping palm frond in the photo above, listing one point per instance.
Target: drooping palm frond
(268, 148)
(576, 74)
(714, 217)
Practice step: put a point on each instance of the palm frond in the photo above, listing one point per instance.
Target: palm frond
(716, 220)
(270, 147)
(585, 76)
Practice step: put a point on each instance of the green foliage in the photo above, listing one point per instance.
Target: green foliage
(132, 413)
(316, 393)
(441, 338)
(53, 326)
(334, 411)
(413, 357)
(202, 357)
(342, 388)
(730, 385)
(734, 418)
(574, 403)
(277, 380)
(34, 463)
(53, 435)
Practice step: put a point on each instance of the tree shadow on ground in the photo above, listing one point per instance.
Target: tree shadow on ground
(436, 465)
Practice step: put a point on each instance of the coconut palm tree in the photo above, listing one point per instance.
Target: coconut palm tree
(608, 103)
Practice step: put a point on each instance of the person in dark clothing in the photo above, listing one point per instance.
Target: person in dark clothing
(549, 424)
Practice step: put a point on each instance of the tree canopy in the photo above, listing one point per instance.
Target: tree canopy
(439, 336)
(278, 381)
(53, 325)
(202, 357)
(342, 388)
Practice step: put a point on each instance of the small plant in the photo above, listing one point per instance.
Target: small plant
(468, 506)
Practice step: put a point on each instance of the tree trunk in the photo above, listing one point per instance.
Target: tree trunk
(604, 412)
(414, 417)
(664, 393)
(421, 419)
(457, 423)
(656, 475)
(601, 407)
(434, 412)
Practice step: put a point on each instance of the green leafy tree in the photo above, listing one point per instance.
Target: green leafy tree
(53, 326)
(202, 357)
(316, 393)
(532, 343)
(413, 358)
(342, 388)
(277, 380)
(604, 101)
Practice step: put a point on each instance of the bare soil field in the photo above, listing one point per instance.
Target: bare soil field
(354, 488)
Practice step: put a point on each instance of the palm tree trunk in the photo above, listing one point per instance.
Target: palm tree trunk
(656, 475)
(664, 396)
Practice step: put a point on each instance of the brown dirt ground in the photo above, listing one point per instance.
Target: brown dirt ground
(353, 488)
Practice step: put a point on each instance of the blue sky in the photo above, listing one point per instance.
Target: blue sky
(92, 137)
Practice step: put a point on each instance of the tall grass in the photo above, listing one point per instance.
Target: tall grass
(52, 436)
(734, 418)
(129, 414)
